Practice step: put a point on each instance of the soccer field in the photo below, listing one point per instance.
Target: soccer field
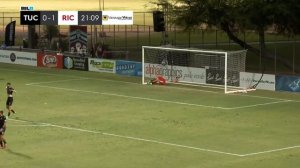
(74, 119)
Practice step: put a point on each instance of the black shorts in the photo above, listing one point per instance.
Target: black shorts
(9, 101)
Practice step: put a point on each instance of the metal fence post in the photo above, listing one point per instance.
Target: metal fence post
(114, 36)
(149, 35)
(294, 53)
(137, 37)
(275, 60)
(125, 37)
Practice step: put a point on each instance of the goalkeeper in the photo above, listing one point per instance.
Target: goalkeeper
(159, 80)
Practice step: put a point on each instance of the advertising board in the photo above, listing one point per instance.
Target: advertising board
(265, 81)
(102, 65)
(288, 83)
(76, 63)
(175, 73)
(129, 68)
(17, 57)
(50, 60)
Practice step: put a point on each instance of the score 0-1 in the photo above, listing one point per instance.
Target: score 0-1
(49, 17)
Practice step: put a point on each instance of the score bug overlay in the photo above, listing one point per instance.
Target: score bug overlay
(76, 17)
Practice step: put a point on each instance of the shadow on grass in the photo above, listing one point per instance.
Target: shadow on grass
(18, 154)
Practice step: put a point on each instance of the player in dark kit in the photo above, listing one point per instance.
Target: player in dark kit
(2, 129)
(10, 90)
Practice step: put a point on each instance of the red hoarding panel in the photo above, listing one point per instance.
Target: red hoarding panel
(50, 60)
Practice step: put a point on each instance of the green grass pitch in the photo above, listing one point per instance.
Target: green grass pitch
(96, 120)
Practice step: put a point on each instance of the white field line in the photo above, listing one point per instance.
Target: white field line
(261, 104)
(28, 125)
(57, 81)
(135, 138)
(132, 97)
(159, 100)
(271, 151)
(263, 97)
(161, 142)
(71, 76)
(134, 83)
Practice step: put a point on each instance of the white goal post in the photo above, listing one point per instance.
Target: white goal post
(194, 66)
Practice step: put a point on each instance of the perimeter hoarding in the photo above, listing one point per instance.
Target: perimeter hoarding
(17, 57)
(102, 65)
(265, 81)
(288, 83)
(129, 68)
(175, 73)
(50, 60)
(76, 63)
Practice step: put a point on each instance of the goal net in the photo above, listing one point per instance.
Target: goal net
(219, 69)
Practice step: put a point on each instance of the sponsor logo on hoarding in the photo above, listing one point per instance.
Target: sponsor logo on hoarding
(155, 70)
(129, 68)
(68, 62)
(102, 64)
(50, 61)
(267, 81)
(126, 67)
(295, 85)
(13, 57)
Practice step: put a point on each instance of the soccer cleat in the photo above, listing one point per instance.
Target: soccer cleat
(13, 111)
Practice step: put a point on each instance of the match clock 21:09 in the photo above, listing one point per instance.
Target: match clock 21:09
(89, 17)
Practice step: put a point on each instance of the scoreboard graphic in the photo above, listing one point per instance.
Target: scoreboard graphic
(76, 17)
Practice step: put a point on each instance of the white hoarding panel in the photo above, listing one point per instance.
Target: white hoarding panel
(267, 81)
(175, 73)
(17, 57)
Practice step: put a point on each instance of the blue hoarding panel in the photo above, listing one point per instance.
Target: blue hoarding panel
(129, 68)
(288, 83)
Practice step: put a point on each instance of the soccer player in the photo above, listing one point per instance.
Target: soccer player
(2, 129)
(10, 90)
(159, 80)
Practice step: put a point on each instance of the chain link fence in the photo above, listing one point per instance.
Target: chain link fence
(126, 41)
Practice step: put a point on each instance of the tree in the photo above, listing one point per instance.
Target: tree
(51, 31)
(240, 15)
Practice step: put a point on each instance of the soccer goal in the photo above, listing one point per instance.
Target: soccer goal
(219, 69)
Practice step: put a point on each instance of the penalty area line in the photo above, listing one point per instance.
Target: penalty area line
(134, 138)
(271, 151)
(161, 142)
(56, 81)
(132, 97)
(160, 100)
(261, 104)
